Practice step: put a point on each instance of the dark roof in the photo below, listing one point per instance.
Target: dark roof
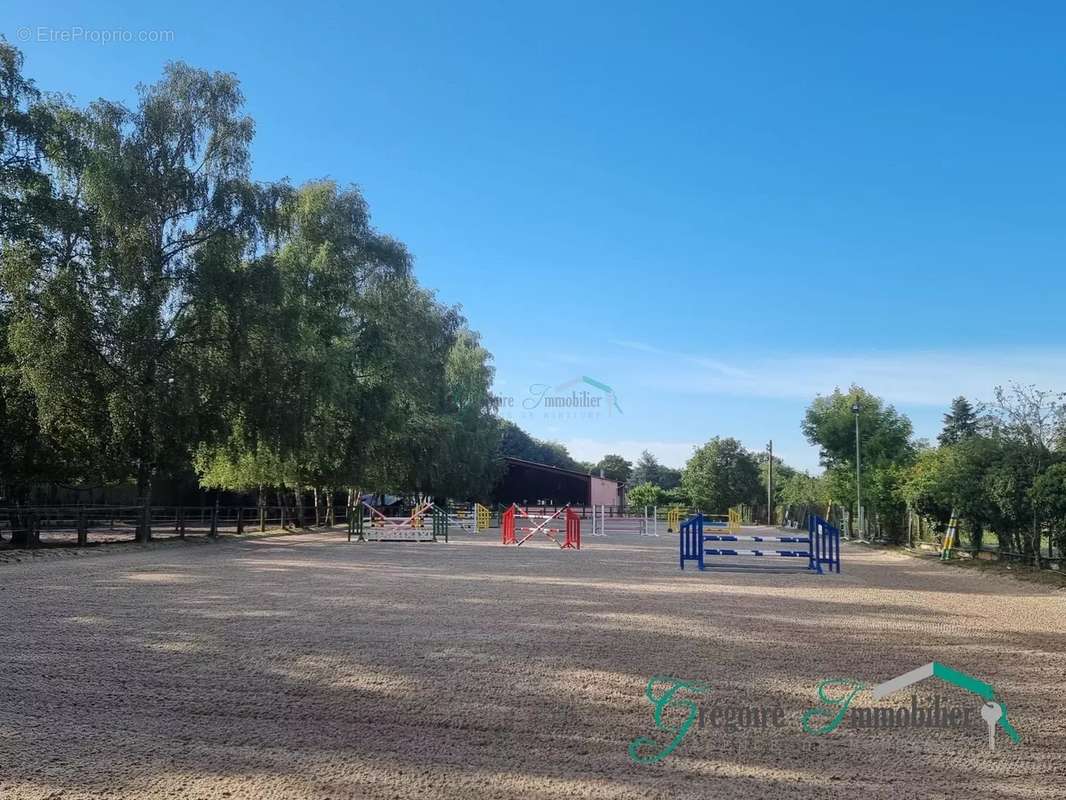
(537, 465)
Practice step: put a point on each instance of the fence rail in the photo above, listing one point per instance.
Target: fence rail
(56, 525)
(34, 526)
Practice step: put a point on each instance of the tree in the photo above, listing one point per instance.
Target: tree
(830, 423)
(799, 489)
(23, 131)
(1031, 422)
(107, 307)
(927, 488)
(1049, 499)
(781, 473)
(721, 474)
(959, 423)
(516, 443)
(474, 436)
(649, 470)
(319, 337)
(614, 467)
(645, 495)
(885, 443)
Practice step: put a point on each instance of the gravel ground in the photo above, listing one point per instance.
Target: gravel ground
(307, 667)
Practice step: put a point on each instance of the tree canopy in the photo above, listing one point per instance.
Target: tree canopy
(721, 474)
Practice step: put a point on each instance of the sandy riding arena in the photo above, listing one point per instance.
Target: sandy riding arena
(307, 667)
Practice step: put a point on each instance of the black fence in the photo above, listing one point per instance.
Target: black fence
(39, 526)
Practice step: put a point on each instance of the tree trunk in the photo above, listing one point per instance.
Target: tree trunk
(144, 492)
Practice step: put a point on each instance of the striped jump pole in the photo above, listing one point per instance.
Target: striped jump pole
(822, 545)
(376, 527)
(510, 529)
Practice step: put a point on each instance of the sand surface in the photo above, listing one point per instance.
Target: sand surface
(307, 667)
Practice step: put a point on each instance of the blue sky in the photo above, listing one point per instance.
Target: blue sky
(718, 210)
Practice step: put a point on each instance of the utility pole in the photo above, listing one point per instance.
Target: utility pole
(770, 485)
(855, 409)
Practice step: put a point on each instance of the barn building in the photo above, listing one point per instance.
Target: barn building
(529, 483)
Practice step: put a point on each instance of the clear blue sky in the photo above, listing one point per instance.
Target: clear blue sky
(718, 211)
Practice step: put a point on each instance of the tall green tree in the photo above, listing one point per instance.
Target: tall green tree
(649, 470)
(1030, 422)
(721, 474)
(472, 442)
(884, 433)
(1049, 499)
(323, 328)
(886, 448)
(106, 314)
(960, 423)
(615, 467)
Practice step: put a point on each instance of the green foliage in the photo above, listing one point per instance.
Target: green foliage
(113, 284)
(1049, 499)
(516, 443)
(645, 494)
(884, 433)
(158, 309)
(960, 423)
(886, 451)
(614, 467)
(801, 489)
(721, 474)
(649, 470)
(678, 496)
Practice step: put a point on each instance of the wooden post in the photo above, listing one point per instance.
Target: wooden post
(83, 528)
(181, 522)
(214, 523)
(240, 520)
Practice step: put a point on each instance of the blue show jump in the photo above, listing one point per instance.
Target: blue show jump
(822, 540)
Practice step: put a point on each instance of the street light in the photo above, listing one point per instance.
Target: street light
(855, 409)
(770, 485)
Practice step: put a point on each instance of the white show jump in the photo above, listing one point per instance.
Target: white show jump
(646, 524)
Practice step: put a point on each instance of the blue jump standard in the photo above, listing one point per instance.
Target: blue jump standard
(822, 540)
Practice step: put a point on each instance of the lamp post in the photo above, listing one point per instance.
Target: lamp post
(770, 485)
(855, 409)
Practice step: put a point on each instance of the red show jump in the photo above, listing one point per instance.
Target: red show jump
(541, 523)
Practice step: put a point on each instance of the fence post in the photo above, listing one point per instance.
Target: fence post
(214, 523)
(181, 522)
(440, 524)
(83, 528)
(355, 523)
(240, 520)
